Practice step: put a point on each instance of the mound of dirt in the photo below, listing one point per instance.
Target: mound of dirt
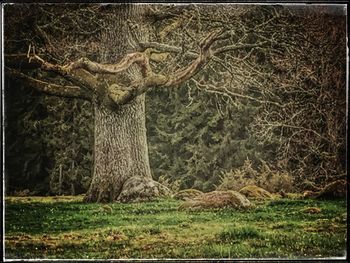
(217, 199)
(255, 192)
(187, 194)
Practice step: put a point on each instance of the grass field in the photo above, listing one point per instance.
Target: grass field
(65, 227)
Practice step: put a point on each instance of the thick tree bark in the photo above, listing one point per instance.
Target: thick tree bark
(121, 166)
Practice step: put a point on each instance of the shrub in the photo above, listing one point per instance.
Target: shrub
(173, 185)
(267, 178)
(238, 178)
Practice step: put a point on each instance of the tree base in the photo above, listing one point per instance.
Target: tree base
(135, 189)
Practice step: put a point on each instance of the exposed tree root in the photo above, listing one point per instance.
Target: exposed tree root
(140, 189)
(135, 189)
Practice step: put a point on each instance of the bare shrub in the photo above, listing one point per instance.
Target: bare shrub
(173, 185)
(273, 180)
(238, 178)
(266, 177)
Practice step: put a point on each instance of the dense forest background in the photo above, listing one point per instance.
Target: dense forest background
(200, 139)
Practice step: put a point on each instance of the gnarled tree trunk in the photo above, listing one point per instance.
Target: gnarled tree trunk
(121, 164)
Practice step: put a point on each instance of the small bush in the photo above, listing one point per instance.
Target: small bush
(238, 178)
(274, 180)
(174, 185)
(267, 178)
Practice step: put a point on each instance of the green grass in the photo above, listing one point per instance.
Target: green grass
(65, 227)
(241, 233)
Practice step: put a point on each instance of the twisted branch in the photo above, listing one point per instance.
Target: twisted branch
(81, 72)
(66, 91)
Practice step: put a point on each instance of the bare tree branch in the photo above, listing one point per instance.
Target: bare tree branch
(20, 61)
(204, 56)
(239, 46)
(79, 77)
(49, 88)
(224, 90)
(166, 48)
(139, 58)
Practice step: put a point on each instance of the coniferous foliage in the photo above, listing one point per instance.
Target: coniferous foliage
(48, 143)
(194, 137)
